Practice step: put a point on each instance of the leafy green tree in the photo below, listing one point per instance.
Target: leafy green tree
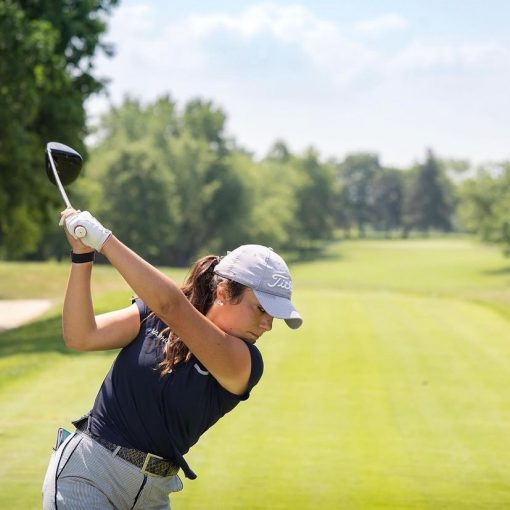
(173, 186)
(355, 175)
(205, 122)
(210, 192)
(502, 209)
(189, 167)
(315, 198)
(209, 196)
(387, 195)
(47, 50)
(132, 121)
(279, 152)
(272, 185)
(139, 209)
(429, 198)
(25, 50)
(484, 204)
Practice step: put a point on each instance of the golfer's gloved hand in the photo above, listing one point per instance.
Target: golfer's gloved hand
(96, 234)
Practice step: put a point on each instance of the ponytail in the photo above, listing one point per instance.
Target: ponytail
(200, 289)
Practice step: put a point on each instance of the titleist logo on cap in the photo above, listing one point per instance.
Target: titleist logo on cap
(280, 280)
(257, 267)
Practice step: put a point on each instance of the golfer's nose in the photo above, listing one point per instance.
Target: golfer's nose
(267, 322)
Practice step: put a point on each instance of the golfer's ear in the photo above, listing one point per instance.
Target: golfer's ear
(222, 292)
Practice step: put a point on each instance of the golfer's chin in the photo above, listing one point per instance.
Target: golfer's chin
(250, 337)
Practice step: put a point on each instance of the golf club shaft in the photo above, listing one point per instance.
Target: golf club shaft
(79, 231)
(57, 180)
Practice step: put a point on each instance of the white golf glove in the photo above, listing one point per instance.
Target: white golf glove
(96, 235)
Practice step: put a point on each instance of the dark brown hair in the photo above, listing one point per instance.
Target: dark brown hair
(200, 289)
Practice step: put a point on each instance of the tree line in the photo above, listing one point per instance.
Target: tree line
(173, 185)
(47, 51)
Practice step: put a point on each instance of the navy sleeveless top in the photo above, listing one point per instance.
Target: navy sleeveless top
(137, 408)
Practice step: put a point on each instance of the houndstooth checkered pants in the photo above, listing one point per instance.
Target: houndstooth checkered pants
(83, 475)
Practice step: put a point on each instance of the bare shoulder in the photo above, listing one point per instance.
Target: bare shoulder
(225, 356)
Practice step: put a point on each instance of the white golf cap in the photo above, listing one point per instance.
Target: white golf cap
(265, 272)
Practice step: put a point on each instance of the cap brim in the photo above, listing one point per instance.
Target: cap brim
(279, 308)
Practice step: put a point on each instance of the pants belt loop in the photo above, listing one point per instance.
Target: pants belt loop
(116, 450)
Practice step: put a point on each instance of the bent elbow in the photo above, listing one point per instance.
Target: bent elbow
(75, 342)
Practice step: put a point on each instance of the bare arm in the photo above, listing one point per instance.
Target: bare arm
(225, 356)
(83, 330)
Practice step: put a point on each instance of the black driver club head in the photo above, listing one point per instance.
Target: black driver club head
(68, 163)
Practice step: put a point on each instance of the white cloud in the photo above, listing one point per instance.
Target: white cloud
(150, 50)
(320, 40)
(341, 88)
(135, 19)
(288, 23)
(426, 56)
(387, 23)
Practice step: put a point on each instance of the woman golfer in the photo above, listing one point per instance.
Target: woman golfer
(187, 358)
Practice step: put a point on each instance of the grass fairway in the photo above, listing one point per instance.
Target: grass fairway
(394, 394)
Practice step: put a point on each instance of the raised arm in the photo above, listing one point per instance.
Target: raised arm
(82, 329)
(226, 357)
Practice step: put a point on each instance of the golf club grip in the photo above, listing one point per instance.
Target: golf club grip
(80, 231)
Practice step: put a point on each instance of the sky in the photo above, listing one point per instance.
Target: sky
(389, 77)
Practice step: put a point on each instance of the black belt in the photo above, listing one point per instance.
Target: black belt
(147, 462)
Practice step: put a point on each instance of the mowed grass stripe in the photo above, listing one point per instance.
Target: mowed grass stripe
(33, 407)
(449, 267)
(393, 395)
(378, 403)
(459, 407)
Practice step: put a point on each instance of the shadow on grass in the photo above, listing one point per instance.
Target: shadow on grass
(315, 253)
(40, 336)
(502, 271)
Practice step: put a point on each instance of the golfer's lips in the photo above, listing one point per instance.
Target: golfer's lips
(251, 336)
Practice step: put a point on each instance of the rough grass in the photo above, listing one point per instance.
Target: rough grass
(393, 395)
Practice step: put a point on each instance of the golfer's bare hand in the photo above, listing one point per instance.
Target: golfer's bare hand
(76, 245)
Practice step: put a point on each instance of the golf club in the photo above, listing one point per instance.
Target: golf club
(63, 165)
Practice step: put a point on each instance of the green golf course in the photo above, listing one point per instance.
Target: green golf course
(395, 393)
